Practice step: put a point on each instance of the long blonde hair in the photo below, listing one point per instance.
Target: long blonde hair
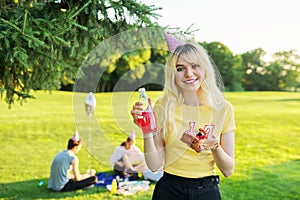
(211, 88)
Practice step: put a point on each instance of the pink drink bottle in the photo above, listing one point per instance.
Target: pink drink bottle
(147, 121)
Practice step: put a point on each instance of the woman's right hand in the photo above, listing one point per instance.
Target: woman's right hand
(136, 111)
(91, 172)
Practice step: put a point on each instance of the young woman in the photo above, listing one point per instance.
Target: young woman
(192, 98)
(128, 158)
(65, 174)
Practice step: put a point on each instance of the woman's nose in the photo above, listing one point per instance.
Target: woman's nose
(189, 71)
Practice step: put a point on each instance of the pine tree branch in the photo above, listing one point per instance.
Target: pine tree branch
(11, 24)
(83, 7)
(25, 20)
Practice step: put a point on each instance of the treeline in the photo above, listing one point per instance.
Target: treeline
(251, 72)
(244, 72)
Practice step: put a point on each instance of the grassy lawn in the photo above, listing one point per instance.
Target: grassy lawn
(267, 143)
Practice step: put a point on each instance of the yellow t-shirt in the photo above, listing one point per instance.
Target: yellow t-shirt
(182, 160)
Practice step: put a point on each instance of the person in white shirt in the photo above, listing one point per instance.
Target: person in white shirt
(128, 158)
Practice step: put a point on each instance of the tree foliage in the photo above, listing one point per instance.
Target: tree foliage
(253, 66)
(228, 64)
(122, 61)
(280, 74)
(45, 42)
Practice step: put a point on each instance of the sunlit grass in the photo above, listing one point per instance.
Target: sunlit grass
(267, 139)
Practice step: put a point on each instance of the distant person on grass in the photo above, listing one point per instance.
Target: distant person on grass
(128, 158)
(65, 174)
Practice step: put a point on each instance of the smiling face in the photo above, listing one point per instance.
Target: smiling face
(188, 76)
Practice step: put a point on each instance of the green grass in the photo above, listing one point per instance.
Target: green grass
(267, 144)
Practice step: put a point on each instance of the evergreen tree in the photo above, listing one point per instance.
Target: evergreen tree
(43, 42)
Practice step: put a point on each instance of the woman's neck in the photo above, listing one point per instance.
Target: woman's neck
(192, 99)
(72, 151)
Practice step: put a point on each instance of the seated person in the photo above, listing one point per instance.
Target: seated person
(128, 159)
(65, 162)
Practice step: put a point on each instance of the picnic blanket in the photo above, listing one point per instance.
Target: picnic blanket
(104, 179)
(125, 187)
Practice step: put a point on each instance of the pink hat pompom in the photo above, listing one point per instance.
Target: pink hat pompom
(172, 42)
(75, 136)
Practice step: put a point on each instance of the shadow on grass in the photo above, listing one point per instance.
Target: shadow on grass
(268, 183)
(37, 189)
(289, 100)
(277, 100)
(33, 190)
(273, 182)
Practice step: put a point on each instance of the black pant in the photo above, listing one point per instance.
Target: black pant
(180, 188)
(76, 185)
(120, 171)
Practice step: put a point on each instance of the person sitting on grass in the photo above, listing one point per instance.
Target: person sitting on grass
(128, 159)
(65, 174)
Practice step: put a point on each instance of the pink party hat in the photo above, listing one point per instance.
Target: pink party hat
(132, 135)
(172, 42)
(75, 136)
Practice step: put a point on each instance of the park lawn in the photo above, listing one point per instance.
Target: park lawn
(267, 139)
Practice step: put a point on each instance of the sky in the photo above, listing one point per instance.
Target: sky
(241, 25)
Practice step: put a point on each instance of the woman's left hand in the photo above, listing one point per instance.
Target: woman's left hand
(211, 143)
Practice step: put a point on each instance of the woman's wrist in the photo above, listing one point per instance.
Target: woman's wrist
(150, 135)
(214, 147)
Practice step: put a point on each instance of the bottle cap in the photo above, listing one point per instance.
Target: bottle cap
(142, 90)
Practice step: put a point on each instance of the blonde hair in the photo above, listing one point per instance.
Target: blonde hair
(211, 90)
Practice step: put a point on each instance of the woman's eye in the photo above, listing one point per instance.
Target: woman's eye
(179, 69)
(195, 66)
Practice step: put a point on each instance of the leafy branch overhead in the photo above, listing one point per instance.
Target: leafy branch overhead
(44, 42)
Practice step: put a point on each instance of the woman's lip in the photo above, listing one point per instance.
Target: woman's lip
(190, 81)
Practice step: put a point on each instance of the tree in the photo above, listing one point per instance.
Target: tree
(253, 70)
(43, 42)
(282, 73)
(228, 64)
(287, 66)
(122, 60)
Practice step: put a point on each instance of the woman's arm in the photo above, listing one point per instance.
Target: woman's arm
(224, 154)
(154, 151)
(75, 164)
(76, 172)
(153, 142)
